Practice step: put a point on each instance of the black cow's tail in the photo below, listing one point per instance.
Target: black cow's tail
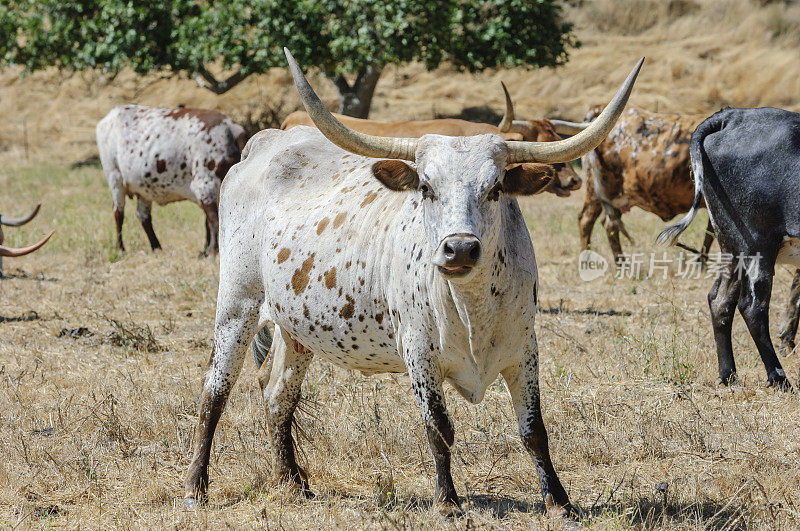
(261, 344)
(670, 235)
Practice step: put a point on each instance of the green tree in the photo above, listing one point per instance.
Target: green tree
(351, 41)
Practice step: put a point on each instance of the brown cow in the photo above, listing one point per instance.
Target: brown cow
(643, 162)
(540, 130)
(16, 222)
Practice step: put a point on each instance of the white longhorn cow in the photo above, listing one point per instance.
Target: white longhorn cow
(421, 263)
(166, 155)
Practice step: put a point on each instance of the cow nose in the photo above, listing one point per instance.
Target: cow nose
(460, 251)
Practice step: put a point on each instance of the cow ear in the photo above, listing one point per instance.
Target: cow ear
(528, 178)
(396, 175)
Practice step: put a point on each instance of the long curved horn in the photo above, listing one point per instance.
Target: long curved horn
(576, 146)
(16, 222)
(340, 134)
(508, 124)
(12, 253)
(563, 127)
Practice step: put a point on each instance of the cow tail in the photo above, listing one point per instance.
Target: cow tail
(670, 235)
(261, 344)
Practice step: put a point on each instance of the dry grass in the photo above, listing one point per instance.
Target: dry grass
(96, 432)
(102, 354)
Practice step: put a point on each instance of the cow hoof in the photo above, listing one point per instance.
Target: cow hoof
(780, 383)
(727, 379)
(190, 503)
(449, 509)
(786, 348)
(556, 510)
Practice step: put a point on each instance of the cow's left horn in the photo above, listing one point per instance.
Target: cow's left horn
(16, 222)
(12, 253)
(508, 124)
(563, 127)
(583, 142)
(340, 134)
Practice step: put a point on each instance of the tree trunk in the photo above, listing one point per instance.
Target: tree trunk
(356, 99)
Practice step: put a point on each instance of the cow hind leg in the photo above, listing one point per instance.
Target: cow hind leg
(707, 241)
(523, 385)
(281, 380)
(722, 302)
(118, 196)
(612, 223)
(144, 213)
(586, 219)
(754, 307)
(237, 314)
(212, 228)
(791, 317)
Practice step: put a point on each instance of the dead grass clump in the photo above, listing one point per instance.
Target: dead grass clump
(632, 17)
(131, 336)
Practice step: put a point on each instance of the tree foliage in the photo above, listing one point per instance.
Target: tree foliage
(344, 38)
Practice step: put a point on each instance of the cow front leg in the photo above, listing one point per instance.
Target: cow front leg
(523, 385)
(426, 381)
(281, 380)
(754, 307)
(144, 213)
(791, 317)
(234, 327)
(212, 228)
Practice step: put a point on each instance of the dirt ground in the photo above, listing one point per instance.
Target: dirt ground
(102, 356)
(102, 353)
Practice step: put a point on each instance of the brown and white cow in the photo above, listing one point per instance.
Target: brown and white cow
(644, 162)
(16, 222)
(383, 254)
(164, 155)
(540, 130)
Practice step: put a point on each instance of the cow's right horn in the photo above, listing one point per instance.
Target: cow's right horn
(341, 135)
(16, 222)
(580, 144)
(12, 253)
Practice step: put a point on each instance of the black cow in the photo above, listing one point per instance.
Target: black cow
(746, 163)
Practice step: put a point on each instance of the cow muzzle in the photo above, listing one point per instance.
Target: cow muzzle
(457, 255)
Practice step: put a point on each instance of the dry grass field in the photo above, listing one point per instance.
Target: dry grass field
(96, 430)
(102, 354)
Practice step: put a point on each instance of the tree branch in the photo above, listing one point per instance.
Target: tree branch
(206, 79)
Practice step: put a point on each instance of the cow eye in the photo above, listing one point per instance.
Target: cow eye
(426, 191)
(494, 192)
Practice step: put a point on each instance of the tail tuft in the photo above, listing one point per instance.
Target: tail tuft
(670, 235)
(260, 345)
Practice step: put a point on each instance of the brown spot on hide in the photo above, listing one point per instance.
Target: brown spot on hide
(339, 219)
(209, 119)
(323, 223)
(300, 277)
(347, 309)
(283, 255)
(161, 165)
(369, 199)
(379, 317)
(223, 166)
(330, 278)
